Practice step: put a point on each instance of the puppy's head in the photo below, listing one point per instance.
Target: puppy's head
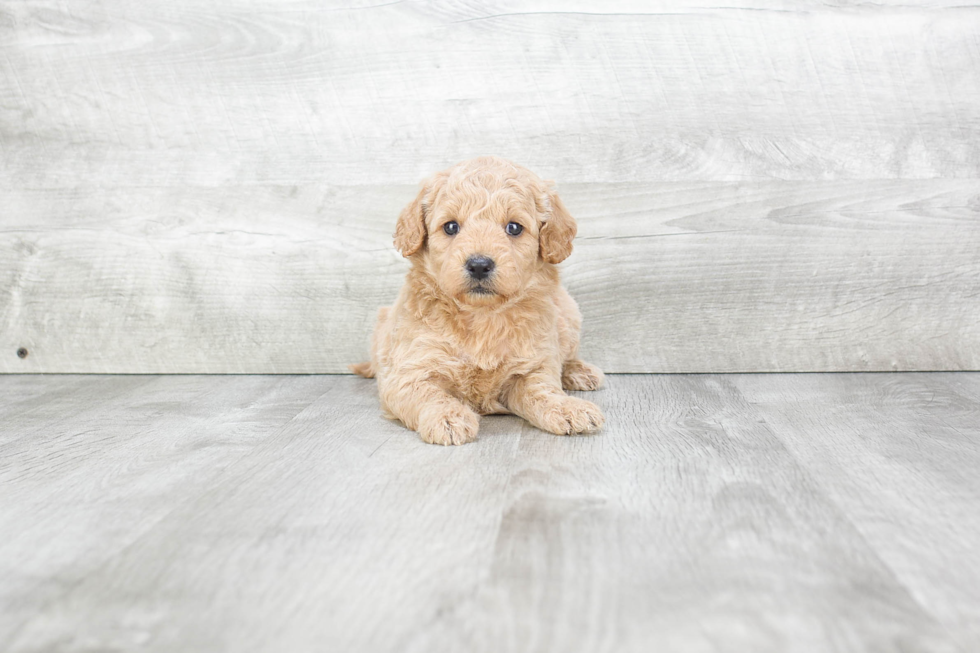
(485, 229)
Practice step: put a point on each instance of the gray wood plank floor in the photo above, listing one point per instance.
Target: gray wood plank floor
(820, 512)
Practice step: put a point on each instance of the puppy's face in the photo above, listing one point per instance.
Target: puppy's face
(484, 229)
(482, 237)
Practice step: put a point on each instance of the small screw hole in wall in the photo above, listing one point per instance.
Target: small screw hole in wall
(22, 353)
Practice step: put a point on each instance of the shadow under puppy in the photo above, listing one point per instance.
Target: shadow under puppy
(482, 324)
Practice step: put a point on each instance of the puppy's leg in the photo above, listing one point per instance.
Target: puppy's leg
(539, 399)
(425, 407)
(576, 374)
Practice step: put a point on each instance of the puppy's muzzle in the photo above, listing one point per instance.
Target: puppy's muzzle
(479, 267)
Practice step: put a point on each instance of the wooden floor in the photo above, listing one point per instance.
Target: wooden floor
(753, 513)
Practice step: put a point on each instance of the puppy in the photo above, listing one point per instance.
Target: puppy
(482, 324)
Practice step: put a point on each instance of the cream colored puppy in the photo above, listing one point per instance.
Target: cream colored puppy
(482, 324)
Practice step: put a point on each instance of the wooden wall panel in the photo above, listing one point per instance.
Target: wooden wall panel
(190, 187)
(114, 92)
(693, 277)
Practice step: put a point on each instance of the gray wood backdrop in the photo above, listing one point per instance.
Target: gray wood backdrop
(761, 186)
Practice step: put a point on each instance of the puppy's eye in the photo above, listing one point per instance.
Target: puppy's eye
(514, 229)
(451, 228)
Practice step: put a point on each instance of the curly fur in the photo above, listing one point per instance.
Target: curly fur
(447, 352)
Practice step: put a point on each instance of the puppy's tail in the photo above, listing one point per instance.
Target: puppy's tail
(363, 369)
(367, 369)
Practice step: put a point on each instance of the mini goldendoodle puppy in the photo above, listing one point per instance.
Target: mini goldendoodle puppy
(482, 324)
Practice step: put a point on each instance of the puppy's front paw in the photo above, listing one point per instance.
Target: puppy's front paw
(452, 424)
(570, 415)
(579, 375)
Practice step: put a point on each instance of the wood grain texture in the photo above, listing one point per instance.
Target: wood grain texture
(339, 499)
(686, 526)
(113, 93)
(699, 277)
(752, 513)
(763, 186)
(906, 482)
(87, 476)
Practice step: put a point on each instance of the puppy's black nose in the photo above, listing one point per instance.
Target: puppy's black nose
(479, 267)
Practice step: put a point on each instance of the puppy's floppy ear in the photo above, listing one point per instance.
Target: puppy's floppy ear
(410, 228)
(558, 229)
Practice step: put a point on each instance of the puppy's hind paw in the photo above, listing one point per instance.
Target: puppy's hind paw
(572, 415)
(579, 375)
(448, 424)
